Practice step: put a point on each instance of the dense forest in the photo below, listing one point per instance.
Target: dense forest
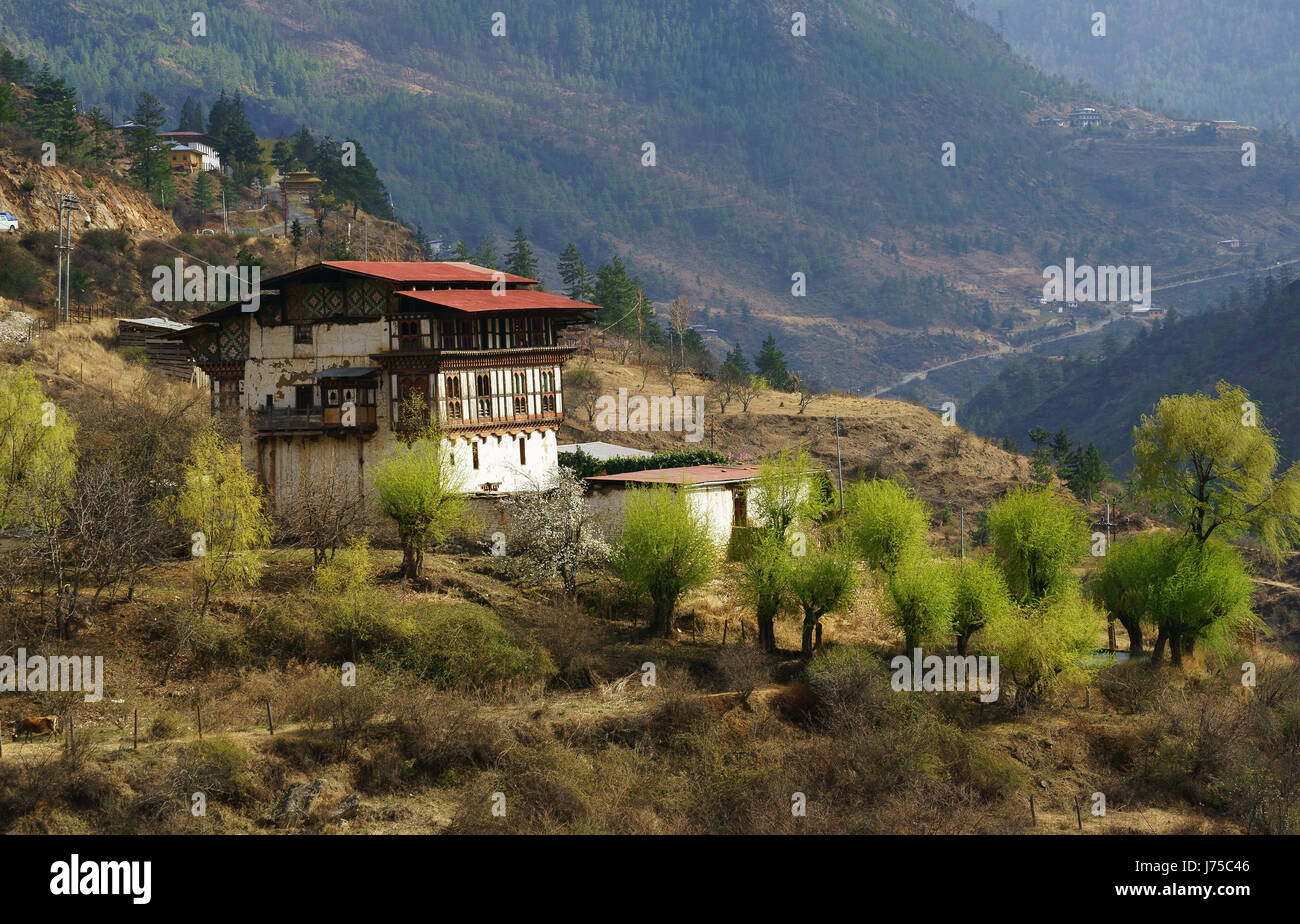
(1101, 399)
(1201, 58)
(779, 146)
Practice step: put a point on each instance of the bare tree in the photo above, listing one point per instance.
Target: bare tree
(679, 319)
(582, 388)
(620, 345)
(319, 514)
(723, 392)
(747, 390)
(799, 385)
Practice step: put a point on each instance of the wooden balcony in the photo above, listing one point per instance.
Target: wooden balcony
(313, 420)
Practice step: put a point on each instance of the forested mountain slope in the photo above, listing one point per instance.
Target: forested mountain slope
(1205, 58)
(774, 153)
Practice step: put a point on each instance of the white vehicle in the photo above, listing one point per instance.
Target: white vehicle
(8, 223)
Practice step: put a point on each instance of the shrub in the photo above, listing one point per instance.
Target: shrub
(215, 767)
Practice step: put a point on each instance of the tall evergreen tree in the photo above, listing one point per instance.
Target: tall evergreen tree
(8, 102)
(303, 146)
(148, 152)
(616, 293)
(577, 279)
(52, 113)
(770, 364)
(191, 119)
(204, 197)
(487, 253)
(519, 258)
(13, 67)
(460, 253)
(736, 361)
(281, 155)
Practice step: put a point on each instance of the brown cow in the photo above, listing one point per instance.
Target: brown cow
(35, 725)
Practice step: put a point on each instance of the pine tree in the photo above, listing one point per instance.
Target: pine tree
(616, 293)
(295, 239)
(8, 104)
(520, 259)
(148, 152)
(13, 67)
(103, 139)
(460, 253)
(578, 281)
(203, 194)
(219, 119)
(303, 146)
(52, 113)
(241, 146)
(281, 155)
(1060, 446)
(191, 117)
(487, 253)
(770, 364)
(736, 361)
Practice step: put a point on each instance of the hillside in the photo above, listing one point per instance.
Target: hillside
(948, 466)
(476, 682)
(1197, 57)
(1243, 342)
(775, 153)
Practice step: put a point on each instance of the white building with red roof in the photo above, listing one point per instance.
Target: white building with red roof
(317, 373)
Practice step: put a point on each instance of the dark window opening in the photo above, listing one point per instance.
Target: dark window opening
(302, 333)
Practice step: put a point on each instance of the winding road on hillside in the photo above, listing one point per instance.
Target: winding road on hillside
(1115, 315)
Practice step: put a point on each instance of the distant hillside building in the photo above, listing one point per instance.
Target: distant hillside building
(184, 159)
(1081, 118)
(300, 182)
(317, 374)
(206, 146)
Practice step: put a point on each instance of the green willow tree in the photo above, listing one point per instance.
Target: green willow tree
(888, 523)
(221, 508)
(665, 550)
(1210, 463)
(822, 581)
(1038, 536)
(419, 488)
(980, 596)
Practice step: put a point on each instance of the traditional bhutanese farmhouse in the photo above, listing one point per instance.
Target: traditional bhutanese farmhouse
(205, 145)
(318, 371)
(184, 159)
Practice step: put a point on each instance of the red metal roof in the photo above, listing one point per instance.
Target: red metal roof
(505, 300)
(690, 474)
(448, 271)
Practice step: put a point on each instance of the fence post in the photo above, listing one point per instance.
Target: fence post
(270, 723)
(1078, 814)
(135, 731)
(198, 713)
(1033, 815)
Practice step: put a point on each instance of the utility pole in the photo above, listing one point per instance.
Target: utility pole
(963, 536)
(63, 296)
(365, 241)
(225, 212)
(839, 463)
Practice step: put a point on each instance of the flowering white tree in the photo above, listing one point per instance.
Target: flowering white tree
(552, 534)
